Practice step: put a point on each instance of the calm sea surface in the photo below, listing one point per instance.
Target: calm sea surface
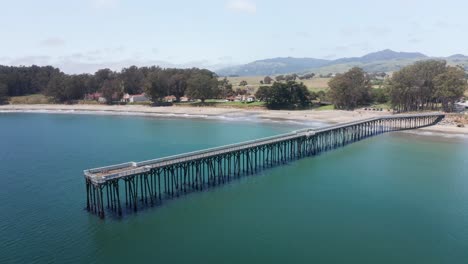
(395, 198)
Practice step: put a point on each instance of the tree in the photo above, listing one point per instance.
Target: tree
(243, 83)
(323, 96)
(156, 87)
(412, 88)
(112, 90)
(351, 89)
(290, 95)
(67, 88)
(449, 87)
(379, 95)
(279, 78)
(103, 75)
(241, 91)
(290, 77)
(26, 80)
(3, 92)
(133, 80)
(56, 87)
(225, 88)
(202, 85)
(76, 86)
(267, 80)
(307, 76)
(177, 85)
(263, 93)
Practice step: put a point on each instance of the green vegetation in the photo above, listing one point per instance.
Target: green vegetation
(289, 95)
(65, 88)
(427, 85)
(3, 93)
(202, 85)
(325, 107)
(350, 90)
(31, 99)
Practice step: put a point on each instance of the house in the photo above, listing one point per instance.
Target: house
(92, 96)
(125, 98)
(138, 98)
(250, 99)
(134, 98)
(461, 106)
(184, 99)
(170, 98)
(102, 100)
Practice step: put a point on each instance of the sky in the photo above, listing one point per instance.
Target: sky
(85, 35)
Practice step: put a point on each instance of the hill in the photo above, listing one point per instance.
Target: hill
(381, 61)
(273, 66)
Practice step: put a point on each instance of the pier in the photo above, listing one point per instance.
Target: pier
(132, 186)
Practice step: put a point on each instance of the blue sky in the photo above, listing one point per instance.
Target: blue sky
(83, 35)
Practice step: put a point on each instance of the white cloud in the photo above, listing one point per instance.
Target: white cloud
(104, 4)
(245, 6)
(90, 62)
(52, 42)
(30, 60)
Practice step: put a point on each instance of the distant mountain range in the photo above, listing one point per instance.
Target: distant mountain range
(381, 61)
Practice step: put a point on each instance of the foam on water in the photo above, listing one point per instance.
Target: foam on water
(232, 117)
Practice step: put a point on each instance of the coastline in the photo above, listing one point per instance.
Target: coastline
(302, 116)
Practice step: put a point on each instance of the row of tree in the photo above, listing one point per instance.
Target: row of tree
(285, 95)
(293, 77)
(155, 81)
(425, 85)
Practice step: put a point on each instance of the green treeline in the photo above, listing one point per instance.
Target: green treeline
(289, 95)
(156, 82)
(425, 85)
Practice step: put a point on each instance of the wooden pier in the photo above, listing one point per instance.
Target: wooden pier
(131, 186)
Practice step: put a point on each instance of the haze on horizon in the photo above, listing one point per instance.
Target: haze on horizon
(84, 35)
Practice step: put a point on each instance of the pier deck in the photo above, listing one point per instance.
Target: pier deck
(174, 175)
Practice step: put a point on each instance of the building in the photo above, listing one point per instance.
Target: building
(134, 98)
(92, 96)
(461, 106)
(250, 98)
(170, 99)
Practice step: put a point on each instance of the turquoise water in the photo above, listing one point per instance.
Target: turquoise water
(395, 198)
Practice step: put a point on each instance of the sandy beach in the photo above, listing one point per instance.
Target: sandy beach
(326, 117)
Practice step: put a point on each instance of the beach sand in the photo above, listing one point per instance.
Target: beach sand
(305, 116)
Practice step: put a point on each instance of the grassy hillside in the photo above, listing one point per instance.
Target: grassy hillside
(253, 82)
(31, 99)
(382, 61)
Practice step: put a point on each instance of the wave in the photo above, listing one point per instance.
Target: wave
(431, 133)
(226, 117)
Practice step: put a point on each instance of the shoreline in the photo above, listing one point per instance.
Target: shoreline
(305, 117)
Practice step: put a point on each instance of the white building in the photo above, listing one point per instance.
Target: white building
(461, 106)
(135, 98)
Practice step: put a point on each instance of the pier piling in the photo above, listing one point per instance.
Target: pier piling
(149, 183)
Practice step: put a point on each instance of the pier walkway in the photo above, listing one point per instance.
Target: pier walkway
(149, 183)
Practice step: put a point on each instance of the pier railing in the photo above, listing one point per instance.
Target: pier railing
(148, 183)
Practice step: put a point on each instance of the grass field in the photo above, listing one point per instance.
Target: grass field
(31, 99)
(253, 82)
